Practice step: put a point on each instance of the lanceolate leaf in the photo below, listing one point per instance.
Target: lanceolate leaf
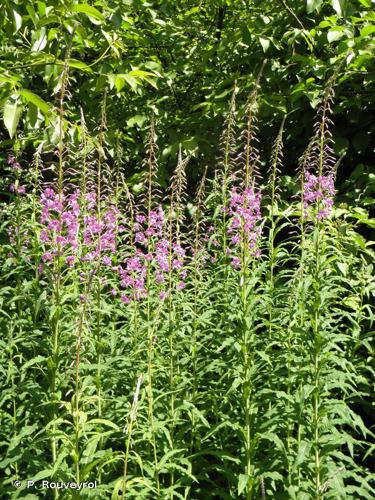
(11, 115)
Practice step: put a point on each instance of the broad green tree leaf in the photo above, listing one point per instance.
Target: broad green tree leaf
(36, 100)
(313, 5)
(11, 116)
(265, 43)
(41, 42)
(75, 63)
(339, 6)
(89, 10)
(368, 30)
(334, 35)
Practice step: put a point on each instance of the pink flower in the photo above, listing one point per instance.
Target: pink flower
(177, 264)
(70, 260)
(107, 261)
(140, 218)
(236, 262)
(159, 277)
(140, 238)
(245, 216)
(47, 257)
(125, 299)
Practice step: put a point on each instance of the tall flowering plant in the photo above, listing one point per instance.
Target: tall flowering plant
(151, 248)
(71, 228)
(244, 228)
(318, 195)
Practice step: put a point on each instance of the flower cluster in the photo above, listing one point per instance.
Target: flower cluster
(244, 229)
(318, 192)
(68, 220)
(13, 163)
(152, 251)
(13, 188)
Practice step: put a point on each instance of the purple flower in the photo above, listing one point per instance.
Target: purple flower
(245, 216)
(125, 299)
(134, 264)
(47, 256)
(11, 159)
(70, 260)
(177, 264)
(236, 262)
(318, 192)
(141, 219)
(140, 238)
(18, 189)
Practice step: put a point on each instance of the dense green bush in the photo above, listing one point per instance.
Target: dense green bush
(219, 353)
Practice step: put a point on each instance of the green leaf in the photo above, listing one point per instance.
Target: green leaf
(138, 120)
(42, 475)
(343, 267)
(103, 421)
(140, 73)
(75, 63)
(40, 42)
(119, 82)
(11, 116)
(313, 5)
(339, 6)
(334, 35)
(243, 480)
(265, 43)
(36, 100)
(84, 8)
(17, 20)
(131, 81)
(367, 30)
